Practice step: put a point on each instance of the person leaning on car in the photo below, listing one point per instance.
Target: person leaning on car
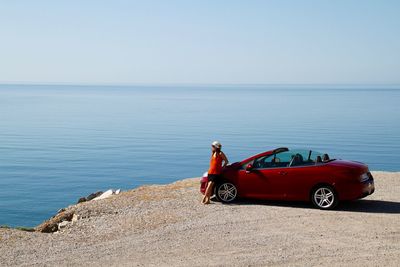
(217, 162)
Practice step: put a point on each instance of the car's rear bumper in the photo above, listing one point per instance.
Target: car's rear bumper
(367, 188)
(357, 190)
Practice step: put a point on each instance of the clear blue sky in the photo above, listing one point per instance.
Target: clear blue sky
(215, 41)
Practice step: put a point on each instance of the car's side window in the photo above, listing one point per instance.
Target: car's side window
(294, 158)
(303, 158)
(283, 158)
(271, 161)
(261, 162)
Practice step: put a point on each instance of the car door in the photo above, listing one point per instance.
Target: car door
(261, 182)
(297, 182)
(288, 182)
(296, 179)
(281, 180)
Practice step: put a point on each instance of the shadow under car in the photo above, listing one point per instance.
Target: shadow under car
(361, 205)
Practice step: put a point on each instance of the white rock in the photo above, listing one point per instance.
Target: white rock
(62, 225)
(75, 218)
(106, 194)
(117, 191)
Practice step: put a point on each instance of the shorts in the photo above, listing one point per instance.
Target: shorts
(214, 177)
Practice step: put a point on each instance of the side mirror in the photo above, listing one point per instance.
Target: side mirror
(249, 168)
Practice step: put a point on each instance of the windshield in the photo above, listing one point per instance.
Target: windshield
(292, 158)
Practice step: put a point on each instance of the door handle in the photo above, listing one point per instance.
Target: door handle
(282, 173)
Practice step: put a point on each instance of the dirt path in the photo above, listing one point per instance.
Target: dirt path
(167, 226)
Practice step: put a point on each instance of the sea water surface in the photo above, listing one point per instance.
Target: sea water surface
(58, 143)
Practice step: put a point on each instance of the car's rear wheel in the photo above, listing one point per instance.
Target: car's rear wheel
(324, 197)
(226, 192)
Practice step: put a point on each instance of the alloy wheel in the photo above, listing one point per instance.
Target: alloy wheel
(324, 197)
(227, 192)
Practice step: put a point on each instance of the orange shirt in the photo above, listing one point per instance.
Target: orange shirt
(215, 164)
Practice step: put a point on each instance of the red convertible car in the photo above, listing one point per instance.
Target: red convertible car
(300, 175)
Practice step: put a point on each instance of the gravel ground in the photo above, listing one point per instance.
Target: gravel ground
(165, 225)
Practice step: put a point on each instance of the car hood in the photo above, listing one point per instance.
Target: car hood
(234, 165)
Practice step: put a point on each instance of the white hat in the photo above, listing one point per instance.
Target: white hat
(216, 144)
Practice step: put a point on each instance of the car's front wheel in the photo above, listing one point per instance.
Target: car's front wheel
(226, 192)
(324, 197)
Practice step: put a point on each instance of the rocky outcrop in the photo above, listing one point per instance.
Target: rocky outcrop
(90, 197)
(99, 195)
(52, 225)
(67, 216)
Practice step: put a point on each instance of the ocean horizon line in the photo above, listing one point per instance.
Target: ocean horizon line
(216, 85)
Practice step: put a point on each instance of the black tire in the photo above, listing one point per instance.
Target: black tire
(324, 197)
(226, 192)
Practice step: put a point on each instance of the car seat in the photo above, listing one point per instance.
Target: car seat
(297, 160)
(325, 157)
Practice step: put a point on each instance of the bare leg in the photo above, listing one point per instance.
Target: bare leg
(207, 196)
(206, 199)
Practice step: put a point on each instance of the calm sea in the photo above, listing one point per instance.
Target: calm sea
(58, 143)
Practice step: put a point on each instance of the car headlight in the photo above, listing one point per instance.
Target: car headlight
(204, 177)
(364, 177)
